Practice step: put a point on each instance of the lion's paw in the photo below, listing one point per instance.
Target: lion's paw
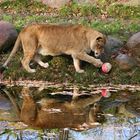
(99, 63)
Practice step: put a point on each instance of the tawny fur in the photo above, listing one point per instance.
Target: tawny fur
(44, 39)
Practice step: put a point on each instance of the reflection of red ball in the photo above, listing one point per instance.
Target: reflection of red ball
(106, 67)
(105, 93)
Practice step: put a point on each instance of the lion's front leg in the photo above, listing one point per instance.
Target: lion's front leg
(90, 59)
(76, 63)
(41, 63)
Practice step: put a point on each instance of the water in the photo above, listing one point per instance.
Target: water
(62, 111)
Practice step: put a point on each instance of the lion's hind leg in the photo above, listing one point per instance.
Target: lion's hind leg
(26, 61)
(29, 53)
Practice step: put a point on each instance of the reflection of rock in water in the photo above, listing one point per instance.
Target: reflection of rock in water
(9, 109)
(133, 107)
(123, 102)
(79, 113)
(5, 104)
(6, 109)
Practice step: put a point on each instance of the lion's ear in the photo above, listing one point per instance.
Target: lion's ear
(101, 40)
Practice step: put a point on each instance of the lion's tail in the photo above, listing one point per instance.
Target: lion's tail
(16, 46)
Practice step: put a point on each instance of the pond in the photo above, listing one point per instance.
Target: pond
(46, 111)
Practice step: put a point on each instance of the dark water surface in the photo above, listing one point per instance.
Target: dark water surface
(69, 112)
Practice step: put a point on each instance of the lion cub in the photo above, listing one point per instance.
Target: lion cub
(44, 39)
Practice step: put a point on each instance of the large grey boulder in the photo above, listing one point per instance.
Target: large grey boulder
(85, 1)
(133, 45)
(129, 2)
(111, 47)
(8, 35)
(56, 3)
(133, 40)
(125, 62)
(132, 58)
(59, 3)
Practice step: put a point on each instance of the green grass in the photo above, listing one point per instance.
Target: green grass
(23, 6)
(61, 70)
(79, 10)
(95, 10)
(120, 28)
(121, 11)
(109, 27)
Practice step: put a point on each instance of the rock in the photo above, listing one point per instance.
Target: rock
(8, 35)
(5, 104)
(136, 53)
(59, 3)
(56, 3)
(132, 58)
(133, 106)
(133, 45)
(133, 40)
(125, 62)
(85, 1)
(112, 46)
(129, 2)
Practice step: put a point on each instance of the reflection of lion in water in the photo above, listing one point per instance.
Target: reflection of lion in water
(53, 113)
(74, 40)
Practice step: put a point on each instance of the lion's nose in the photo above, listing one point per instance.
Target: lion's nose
(96, 54)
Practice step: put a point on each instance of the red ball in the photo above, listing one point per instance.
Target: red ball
(106, 67)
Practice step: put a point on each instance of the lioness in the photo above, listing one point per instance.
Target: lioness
(44, 39)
